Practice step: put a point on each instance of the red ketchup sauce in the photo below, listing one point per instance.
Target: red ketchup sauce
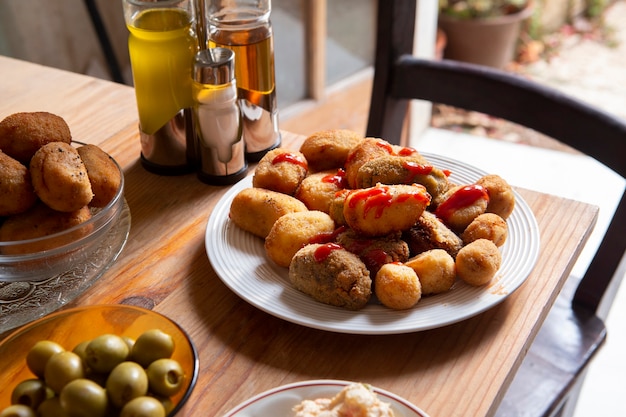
(406, 151)
(380, 198)
(290, 158)
(339, 178)
(324, 251)
(415, 169)
(327, 237)
(463, 197)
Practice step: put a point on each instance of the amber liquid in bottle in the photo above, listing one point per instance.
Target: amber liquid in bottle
(254, 72)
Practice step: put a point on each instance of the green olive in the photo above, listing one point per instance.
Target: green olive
(165, 377)
(84, 398)
(129, 342)
(51, 408)
(126, 381)
(62, 368)
(30, 392)
(38, 356)
(80, 349)
(143, 407)
(152, 345)
(18, 410)
(105, 352)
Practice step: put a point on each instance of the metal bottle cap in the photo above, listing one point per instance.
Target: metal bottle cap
(214, 66)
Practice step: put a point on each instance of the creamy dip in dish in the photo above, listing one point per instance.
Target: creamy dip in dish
(355, 400)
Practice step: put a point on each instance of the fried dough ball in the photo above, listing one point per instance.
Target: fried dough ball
(478, 262)
(104, 176)
(430, 233)
(394, 169)
(60, 178)
(385, 209)
(486, 226)
(16, 190)
(501, 196)
(328, 149)
(374, 252)
(367, 150)
(21, 134)
(461, 205)
(280, 170)
(331, 275)
(318, 189)
(397, 286)
(40, 221)
(255, 209)
(435, 269)
(295, 230)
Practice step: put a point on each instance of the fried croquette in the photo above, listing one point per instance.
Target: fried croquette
(331, 275)
(318, 189)
(486, 226)
(335, 209)
(374, 252)
(394, 169)
(22, 134)
(328, 149)
(367, 150)
(435, 270)
(280, 170)
(104, 176)
(40, 221)
(255, 209)
(60, 178)
(478, 262)
(461, 205)
(430, 233)
(501, 196)
(16, 189)
(385, 209)
(397, 286)
(292, 231)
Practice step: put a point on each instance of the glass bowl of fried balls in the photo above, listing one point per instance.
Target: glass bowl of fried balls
(100, 360)
(58, 198)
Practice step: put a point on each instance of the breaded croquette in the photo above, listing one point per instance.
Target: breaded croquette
(331, 275)
(367, 150)
(104, 176)
(374, 252)
(280, 170)
(318, 189)
(328, 149)
(60, 178)
(295, 230)
(385, 209)
(501, 196)
(462, 204)
(435, 269)
(486, 226)
(22, 134)
(255, 209)
(430, 233)
(16, 190)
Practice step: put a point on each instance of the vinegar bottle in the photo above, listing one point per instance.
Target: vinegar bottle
(244, 27)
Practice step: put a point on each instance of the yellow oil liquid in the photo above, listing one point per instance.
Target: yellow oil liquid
(161, 49)
(254, 60)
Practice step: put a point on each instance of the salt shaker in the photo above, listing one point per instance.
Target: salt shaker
(217, 118)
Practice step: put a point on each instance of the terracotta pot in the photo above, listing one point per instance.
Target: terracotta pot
(486, 41)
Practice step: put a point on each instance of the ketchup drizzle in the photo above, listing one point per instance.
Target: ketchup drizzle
(290, 158)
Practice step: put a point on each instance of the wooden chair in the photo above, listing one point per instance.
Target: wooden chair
(574, 330)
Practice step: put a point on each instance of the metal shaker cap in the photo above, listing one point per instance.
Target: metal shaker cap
(214, 66)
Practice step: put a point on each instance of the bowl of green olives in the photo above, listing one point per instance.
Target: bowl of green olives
(97, 361)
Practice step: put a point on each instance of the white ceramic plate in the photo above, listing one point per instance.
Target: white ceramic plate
(280, 401)
(240, 261)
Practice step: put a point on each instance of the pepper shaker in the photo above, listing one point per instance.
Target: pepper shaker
(217, 118)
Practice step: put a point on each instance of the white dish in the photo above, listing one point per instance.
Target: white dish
(240, 261)
(280, 401)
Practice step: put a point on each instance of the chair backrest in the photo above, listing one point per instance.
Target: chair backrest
(400, 77)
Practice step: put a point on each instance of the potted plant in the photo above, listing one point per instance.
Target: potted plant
(483, 31)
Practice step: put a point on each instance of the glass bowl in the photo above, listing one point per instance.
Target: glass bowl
(72, 326)
(77, 244)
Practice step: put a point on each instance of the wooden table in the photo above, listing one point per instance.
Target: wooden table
(462, 369)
